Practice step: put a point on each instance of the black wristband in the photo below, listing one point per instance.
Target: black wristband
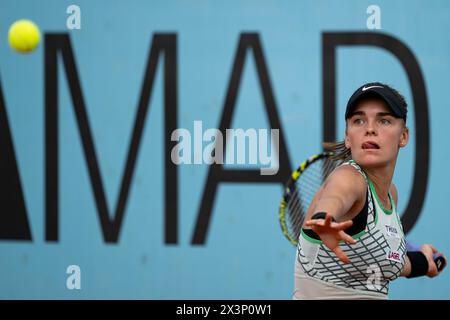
(321, 215)
(419, 264)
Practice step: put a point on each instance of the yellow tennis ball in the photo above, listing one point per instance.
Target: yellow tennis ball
(24, 36)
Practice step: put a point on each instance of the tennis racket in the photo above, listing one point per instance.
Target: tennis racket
(299, 191)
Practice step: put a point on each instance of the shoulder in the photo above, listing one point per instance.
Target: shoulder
(347, 178)
(348, 172)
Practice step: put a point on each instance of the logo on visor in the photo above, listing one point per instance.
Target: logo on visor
(367, 88)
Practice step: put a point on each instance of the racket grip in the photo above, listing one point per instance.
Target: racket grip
(439, 260)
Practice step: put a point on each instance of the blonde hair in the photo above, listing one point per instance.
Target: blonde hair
(339, 150)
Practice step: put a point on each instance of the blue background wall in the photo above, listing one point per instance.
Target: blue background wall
(245, 255)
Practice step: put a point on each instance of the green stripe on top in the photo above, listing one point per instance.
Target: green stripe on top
(374, 192)
(308, 238)
(392, 202)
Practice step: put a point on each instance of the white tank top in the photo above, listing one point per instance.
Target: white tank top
(376, 259)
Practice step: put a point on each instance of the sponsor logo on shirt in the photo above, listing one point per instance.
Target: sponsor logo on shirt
(394, 256)
(392, 232)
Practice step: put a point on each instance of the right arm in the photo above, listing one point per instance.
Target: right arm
(341, 191)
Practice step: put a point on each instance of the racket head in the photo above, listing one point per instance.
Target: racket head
(299, 191)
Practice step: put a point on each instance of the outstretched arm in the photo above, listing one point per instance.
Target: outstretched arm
(342, 189)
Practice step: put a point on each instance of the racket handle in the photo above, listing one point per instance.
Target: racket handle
(439, 260)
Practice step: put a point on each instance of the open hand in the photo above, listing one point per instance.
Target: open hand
(331, 233)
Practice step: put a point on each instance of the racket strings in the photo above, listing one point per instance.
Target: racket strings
(304, 190)
(302, 196)
(310, 182)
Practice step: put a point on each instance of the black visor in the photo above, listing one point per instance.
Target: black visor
(378, 90)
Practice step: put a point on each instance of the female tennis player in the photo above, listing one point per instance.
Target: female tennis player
(352, 242)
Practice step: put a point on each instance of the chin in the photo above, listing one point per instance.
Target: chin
(370, 160)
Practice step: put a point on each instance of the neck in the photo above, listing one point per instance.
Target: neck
(381, 178)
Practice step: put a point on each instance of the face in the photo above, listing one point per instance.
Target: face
(373, 135)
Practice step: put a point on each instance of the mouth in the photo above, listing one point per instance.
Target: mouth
(370, 145)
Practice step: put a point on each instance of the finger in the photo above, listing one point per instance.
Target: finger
(427, 247)
(316, 229)
(311, 223)
(341, 255)
(327, 220)
(433, 266)
(342, 225)
(347, 238)
(433, 248)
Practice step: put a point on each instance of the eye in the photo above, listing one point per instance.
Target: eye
(385, 121)
(358, 121)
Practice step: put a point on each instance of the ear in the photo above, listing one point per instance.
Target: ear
(347, 141)
(404, 138)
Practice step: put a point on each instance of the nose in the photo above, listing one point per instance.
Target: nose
(370, 129)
